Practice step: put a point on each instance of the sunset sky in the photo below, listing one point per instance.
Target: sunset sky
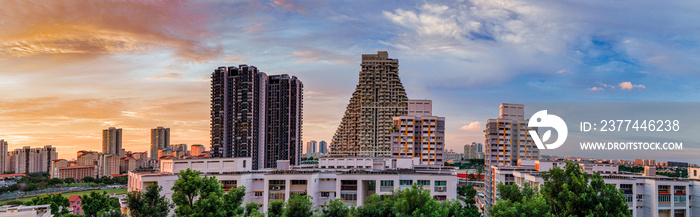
(69, 69)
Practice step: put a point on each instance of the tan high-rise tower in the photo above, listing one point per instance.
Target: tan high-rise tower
(379, 96)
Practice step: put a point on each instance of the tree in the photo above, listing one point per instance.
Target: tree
(375, 206)
(252, 209)
(233, 201)
(110, 213)
(207, 191)
(148, 203)
(299, 206)
(69, 181)
(185, 190)
(59, 204)
(336, 208)
(569, 192)
(95, 203)
(211, 199)
(275, 209)
(55, 181)
(106, 180)
(415, 201)
(88, 179)
(31, 187)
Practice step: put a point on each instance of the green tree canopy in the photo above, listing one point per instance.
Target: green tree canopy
(252, 209)
(95, 203)
(336, 208)
(569, 192)
(149, 203)
(59, 203)
(299, 206)
(233, 201)
(204, 196)
(275, 208)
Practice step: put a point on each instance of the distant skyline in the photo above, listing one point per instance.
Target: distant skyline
(84, 66)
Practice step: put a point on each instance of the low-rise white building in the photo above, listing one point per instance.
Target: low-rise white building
(647, 194)
(350, 180)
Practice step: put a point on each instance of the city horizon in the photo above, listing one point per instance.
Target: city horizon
(68, 78)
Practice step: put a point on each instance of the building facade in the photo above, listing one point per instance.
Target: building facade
(3, 157)
(33, 160)
(474, 151)
(112, 141)
(160, 139)
(646, 194)
(311, 147)
(420, 135)
(506, 142)
(351, 185)
(322, 147)
(365, 129)
(197, 149)
(256, 115)
(283, 103)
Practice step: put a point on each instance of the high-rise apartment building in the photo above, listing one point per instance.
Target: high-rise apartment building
(506, 142)
(474, 151)
(160, 139)
(379, 96)
(256, 115)
(419, 134)
(311, 147)
(33, 160)
(283, 103)
(3, 157)
(322, 147)
(112, 141)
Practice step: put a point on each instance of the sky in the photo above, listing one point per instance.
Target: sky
(69, 69)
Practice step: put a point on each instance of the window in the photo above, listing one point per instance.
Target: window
(664, 198)
(244, 163)
(424, 182)
(387, 183)
(298, 182)
(440, 197)
(440, 183)
(348, 197)
(405, 182)
(258, 194)
(325, 194)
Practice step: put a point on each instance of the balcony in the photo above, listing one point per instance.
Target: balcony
(440, 188)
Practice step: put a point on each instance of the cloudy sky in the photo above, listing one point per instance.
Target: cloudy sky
(69, 69)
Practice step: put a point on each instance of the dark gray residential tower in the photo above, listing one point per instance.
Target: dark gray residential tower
(247, 107)
(112, 141)
(160, 139)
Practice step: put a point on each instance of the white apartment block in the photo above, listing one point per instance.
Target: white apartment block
(506, 142)
(32, 160)
(419, 134)
(648, 194)
(349, 184)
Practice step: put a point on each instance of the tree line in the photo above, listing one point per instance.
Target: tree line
(568, 192)
(197, 196)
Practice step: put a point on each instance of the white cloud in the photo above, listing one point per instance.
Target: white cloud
(629, 86)
(473, 126)
(596, 88)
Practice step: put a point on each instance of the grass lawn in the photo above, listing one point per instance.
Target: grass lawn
(81, 193)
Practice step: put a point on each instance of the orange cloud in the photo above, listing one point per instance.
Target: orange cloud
(105, 27)
(629, 86)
